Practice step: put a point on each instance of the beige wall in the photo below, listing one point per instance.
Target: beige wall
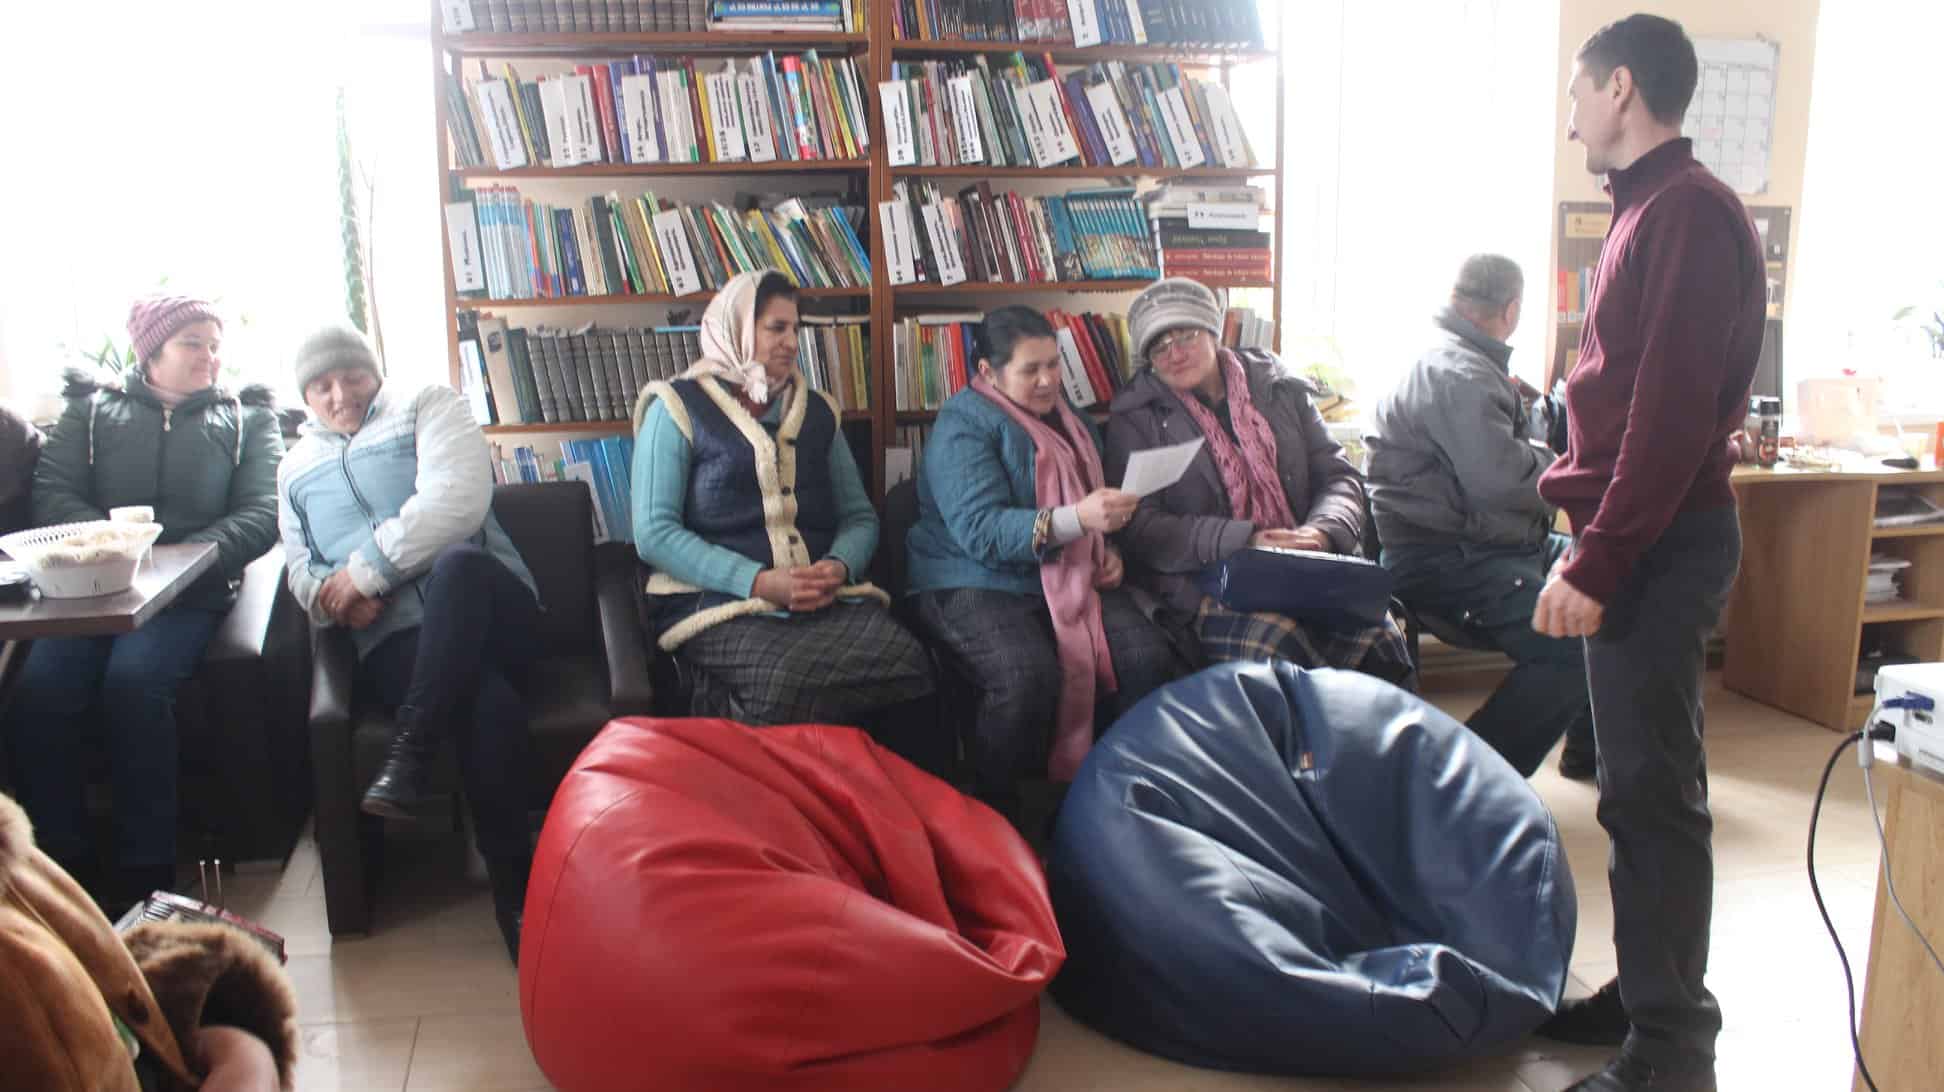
(1789, 23)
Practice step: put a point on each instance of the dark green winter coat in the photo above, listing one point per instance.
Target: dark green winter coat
(207, 467)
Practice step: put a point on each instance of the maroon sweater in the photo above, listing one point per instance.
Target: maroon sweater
(1673, 333)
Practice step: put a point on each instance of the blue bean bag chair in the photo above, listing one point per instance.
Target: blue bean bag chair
(1274, 870)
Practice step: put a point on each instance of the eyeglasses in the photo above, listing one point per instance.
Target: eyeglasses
(1169, 344)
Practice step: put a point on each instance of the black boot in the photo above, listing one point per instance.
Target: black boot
(508, 877)
(400, 785)
(1598, 1020)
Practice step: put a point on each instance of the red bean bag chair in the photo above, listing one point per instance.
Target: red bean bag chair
(719, 907)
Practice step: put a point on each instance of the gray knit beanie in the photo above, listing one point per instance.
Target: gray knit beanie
(1170, 304)
(331, 348)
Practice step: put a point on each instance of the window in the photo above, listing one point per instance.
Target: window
(1417, 133)
(1871, 233)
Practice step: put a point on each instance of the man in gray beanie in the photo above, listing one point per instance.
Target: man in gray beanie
(385, 506)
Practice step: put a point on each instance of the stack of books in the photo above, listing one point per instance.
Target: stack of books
(834, 354)
(1211, 233)
(1025, 113)
(802, 16)
(505, 246)
(1006, 238)
(650, 16)
(934, 356)
(1083, 22)
(1242, 328)
(653, 109)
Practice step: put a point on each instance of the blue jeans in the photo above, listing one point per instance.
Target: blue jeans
(131, 680)
(1484, 595)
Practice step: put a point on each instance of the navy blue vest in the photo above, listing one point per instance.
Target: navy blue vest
(724, 505)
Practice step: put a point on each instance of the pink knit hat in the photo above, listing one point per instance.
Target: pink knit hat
(152, 320)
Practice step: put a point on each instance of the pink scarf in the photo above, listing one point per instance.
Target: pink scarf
(1064, 473)
(1249, 476)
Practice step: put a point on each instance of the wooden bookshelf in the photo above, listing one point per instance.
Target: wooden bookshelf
(873, 54)
(650, 170)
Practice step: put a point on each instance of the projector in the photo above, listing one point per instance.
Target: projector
(1919, 690)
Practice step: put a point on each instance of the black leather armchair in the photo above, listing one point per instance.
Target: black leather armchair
(589, 665)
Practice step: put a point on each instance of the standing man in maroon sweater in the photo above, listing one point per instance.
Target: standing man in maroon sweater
(1673, 331)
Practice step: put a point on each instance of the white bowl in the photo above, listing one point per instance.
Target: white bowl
(79, 560)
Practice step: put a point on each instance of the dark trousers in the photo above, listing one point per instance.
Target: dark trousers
(1485, 594)
(452, 673)
(1645, 669)
(131, 680)
(1003, 645)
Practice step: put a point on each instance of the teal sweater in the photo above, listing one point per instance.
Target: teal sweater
(661, 473)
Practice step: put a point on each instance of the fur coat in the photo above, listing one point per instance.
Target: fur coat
(63, 971)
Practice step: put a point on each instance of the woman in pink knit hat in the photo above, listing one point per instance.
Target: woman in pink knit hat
(163, 435)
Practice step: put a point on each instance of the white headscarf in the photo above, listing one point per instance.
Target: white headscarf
(729, 338)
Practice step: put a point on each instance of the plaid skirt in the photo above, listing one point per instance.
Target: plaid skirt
(831, 666)
(1228, 635)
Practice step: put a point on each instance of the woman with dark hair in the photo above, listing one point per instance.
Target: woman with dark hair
(1012, 569)
(162, 435)
(1268, 475)
(749, 508)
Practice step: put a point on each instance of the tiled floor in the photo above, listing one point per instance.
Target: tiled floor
(429, 1001)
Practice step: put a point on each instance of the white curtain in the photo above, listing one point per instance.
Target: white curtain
(1871, 237)
(192, 147)
(1419, 132)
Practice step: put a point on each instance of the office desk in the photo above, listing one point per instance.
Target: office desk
(1903, 999)
(1796, 617)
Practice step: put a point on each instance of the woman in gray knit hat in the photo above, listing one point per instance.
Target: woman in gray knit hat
(1268, 474)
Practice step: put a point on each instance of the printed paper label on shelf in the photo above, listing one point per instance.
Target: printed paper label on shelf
(553, 115)
(1181, 128)
(675, 117)
(502, 125)
(951, 270)
(897, 124)
(456, 15)
(462, 236)
(894, 217)
(1588, 225)
(1224, 214)
(1113, 124)
(1086, 22)
(721, 89)
(1046, 126)
(762, 141)
(676, 256)
(1231, 145)
(638, 111)
(583, 122)
(965, 119)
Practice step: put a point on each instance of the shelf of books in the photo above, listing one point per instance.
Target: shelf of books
(894, 157)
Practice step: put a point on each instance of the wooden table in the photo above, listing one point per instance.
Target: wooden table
(1903, 999)
(158, 581)
(1795, 621)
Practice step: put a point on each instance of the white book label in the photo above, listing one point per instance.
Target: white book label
(1231, 145)
(638, 112)
(965, 119)
(553, 111)
(1181, 129)
(583, 119)
(721, 89)
(1046, 127)
(1073, 369)
(897, 124)
(951, 268)
(1134, 23)
(762, 142)
(1224, 214)
(462, 236)
(1112, 123)
(502, 125)
(672, 234)
(456, 15)
(894, 217)
(1085, 18)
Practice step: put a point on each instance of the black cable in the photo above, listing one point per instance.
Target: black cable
(1849, 980)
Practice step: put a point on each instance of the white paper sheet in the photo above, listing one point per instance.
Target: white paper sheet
(1157, 468)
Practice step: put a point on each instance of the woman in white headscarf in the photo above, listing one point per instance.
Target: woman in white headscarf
(750, 511)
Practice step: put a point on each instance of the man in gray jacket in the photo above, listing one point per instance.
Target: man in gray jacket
(1454, 483)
